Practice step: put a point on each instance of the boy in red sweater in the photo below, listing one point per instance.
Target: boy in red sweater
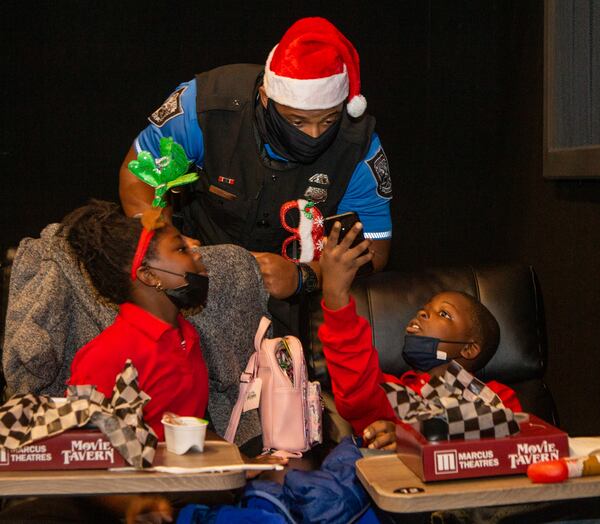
(451, 326)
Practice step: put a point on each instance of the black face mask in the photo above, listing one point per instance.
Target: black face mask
(288, 141)
(422, 353)
(190, 295)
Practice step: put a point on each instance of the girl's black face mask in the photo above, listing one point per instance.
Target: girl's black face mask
(190, 295)
(288, 141)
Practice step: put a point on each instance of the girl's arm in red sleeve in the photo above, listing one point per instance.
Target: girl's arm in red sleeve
(353, 366)
(93, 366)
(507, 395)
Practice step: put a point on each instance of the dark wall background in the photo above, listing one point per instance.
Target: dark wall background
(457, 90)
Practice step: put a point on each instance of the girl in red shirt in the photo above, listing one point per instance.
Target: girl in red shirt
(151, 273)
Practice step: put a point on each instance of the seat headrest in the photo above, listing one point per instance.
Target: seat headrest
(390, 299)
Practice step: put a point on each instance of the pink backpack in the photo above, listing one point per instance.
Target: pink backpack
(289, 405)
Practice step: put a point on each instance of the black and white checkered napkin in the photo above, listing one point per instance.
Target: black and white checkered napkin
(471, 409)
(26, 418)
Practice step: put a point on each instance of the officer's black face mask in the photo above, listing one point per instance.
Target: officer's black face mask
(291, 143)
(190, 295)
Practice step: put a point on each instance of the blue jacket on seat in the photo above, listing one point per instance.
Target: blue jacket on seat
(331, 494)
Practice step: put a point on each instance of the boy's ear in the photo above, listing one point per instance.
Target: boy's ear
(470, 351)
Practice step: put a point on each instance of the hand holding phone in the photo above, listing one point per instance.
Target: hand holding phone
(347, 221)
(340, 262)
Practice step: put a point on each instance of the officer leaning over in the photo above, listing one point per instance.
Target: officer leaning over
(291, 131)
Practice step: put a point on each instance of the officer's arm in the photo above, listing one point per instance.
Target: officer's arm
(135, 195)
(280, 276)
(176, 119)
(381, 253)
(368, 194)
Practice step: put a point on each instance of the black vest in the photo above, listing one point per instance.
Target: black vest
(241, 190)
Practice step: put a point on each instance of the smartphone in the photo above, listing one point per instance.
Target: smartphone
(347, 220)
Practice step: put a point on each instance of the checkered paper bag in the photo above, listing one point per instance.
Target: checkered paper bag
(470, 408)
(26, 418)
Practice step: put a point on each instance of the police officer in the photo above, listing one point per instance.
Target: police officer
(294, 130)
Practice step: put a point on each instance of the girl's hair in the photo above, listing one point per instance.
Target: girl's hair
(104, 240)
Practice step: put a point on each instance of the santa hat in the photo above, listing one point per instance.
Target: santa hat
(314, 66)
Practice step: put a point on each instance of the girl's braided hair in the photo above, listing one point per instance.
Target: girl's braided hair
(104, 240)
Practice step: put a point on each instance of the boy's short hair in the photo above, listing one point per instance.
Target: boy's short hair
(486, 331)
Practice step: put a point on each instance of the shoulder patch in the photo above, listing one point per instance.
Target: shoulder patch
(170, 108)
(378, 164)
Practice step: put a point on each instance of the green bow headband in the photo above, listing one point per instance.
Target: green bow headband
(165, 172)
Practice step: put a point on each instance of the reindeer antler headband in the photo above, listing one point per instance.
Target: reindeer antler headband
(162, 173)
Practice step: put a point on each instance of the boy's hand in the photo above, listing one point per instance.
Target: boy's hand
(339, 264)
(381, 435)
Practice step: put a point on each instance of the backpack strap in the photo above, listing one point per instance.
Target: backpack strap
(261, 332)
(246, 379)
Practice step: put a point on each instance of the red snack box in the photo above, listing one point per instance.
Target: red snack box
(459, 459)
(73, 449)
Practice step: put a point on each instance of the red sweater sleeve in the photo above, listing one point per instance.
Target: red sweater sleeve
(353, 366)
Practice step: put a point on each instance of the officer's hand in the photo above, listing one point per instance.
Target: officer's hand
(191, 243)
(193, 246)
(380, 435)
(280, 276)
(339, 264)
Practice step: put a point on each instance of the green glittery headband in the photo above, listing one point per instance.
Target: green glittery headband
(165, 172)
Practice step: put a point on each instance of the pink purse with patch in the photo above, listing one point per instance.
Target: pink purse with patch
(289, 404)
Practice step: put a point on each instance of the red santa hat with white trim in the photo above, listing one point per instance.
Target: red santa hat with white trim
(314, 66)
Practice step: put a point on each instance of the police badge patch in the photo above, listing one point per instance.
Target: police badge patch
(170, 108)
(378, 164)
(317, 188)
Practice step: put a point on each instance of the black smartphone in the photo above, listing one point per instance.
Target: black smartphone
(347, 220)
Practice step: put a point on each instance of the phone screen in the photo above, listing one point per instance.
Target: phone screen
(347, 220)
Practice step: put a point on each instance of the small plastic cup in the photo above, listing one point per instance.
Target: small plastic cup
(180, 438)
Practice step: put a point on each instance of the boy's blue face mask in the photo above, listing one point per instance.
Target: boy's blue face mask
(422, 353)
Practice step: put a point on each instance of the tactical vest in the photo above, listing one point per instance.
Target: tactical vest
(240, 191)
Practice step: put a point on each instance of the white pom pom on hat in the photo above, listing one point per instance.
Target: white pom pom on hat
(314, 66)
(356, 106)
